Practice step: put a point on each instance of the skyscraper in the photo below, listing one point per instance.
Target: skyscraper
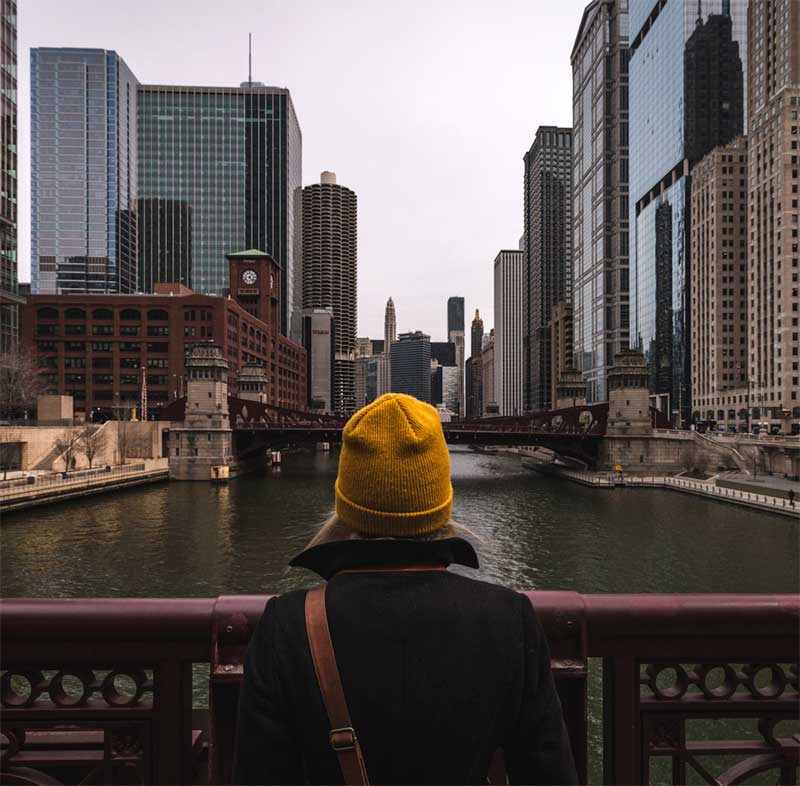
(83, 172)
(487, 363)
(719, 341)
(411, 365)
(330, 268)
(233, 155)
(773, 214)
(389, 337)
(601, 310)
(455, 314)
(455, 333)
(665, 118)
(509, 311)
(9, 295)
(548, 251)
(473, 369)
(476, 335)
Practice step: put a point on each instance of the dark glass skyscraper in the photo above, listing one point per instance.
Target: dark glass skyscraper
(234, 157)
(455, 315)
(548, 252)
(9, 297)
(670, 51)
(411, 365)
(165, 241)
(713, 87)
(83, 172)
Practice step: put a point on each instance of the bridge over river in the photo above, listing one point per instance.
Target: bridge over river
(576, 432)
(211, 429)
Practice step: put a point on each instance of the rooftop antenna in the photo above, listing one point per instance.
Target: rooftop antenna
(699, 12)
(250, 59)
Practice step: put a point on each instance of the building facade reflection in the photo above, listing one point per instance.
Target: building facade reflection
(664, 37)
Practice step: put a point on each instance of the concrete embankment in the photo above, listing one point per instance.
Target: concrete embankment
(766, 503)
(46, 489)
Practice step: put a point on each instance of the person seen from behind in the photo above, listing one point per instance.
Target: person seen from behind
(397, 670)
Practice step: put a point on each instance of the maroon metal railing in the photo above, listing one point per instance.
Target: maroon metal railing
(101, 690)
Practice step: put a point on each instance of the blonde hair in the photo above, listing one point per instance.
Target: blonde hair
(336, 527)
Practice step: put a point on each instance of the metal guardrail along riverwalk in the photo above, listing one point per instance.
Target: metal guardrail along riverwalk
(36, 489)
(101, 689)
(765, 502)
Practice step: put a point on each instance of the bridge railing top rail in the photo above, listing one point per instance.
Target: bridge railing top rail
(642, 618)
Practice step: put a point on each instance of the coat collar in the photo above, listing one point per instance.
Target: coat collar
(327, 559)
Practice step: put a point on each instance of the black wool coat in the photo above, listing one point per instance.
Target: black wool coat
(439, 671)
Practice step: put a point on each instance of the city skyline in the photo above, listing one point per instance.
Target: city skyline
(388, 194)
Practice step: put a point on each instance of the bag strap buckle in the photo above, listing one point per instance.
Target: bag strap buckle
(343, 739)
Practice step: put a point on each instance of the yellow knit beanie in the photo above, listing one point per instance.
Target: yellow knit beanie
(394, 469)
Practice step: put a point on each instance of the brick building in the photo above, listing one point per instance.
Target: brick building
(97, 348)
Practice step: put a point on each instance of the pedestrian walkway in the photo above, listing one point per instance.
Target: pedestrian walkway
(703, 488)
(40, 489)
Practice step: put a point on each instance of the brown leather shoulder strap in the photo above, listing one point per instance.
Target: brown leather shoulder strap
(342, 737)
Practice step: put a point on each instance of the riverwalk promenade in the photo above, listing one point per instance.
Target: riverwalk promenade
(31, 490)
(700, 487)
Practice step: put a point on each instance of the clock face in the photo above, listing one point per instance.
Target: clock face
(249, 277)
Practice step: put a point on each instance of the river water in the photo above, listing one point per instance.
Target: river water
(194, 539)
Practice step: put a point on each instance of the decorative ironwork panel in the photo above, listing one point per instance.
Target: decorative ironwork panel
(77, 725)
(719, 722)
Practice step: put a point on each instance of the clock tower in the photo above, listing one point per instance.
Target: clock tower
(255, 285)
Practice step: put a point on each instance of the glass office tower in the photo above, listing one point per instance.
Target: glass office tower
(547, 271)
(233, 158)
(83, 172)
(660, 180)
(9, 297)
(411, 365)
(600, 242)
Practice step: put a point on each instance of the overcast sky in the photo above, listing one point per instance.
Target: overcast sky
(423, 107)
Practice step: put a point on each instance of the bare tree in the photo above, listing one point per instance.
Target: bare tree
(124, 434)
(123, 412)
(21, 382)
(69, 445)
(10, 450)
(92, 441)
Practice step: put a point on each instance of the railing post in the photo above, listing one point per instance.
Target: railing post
(622, 747)
(565, 625)
(229, 636)
(172, 723)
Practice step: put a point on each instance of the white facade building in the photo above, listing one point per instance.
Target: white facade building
(451, 390)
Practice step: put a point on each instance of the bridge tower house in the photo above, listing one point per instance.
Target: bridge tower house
(204, 439)
(570, 389)
(628, 396)
(252, 381)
